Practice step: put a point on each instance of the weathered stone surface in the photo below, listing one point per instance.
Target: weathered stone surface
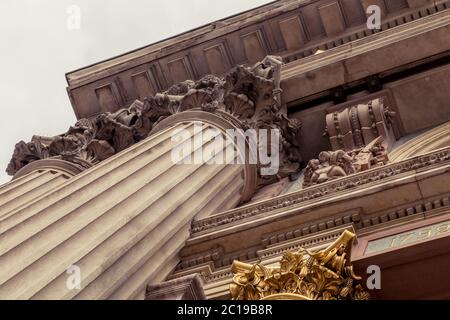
(291, 29)
(132, 219)
(27, 188)
(121, 223)
(250, 96)
(358, 181)
(428, 92)
(265, 230)
(434, 139)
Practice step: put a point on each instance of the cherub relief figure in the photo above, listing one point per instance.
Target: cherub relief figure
(330, 165)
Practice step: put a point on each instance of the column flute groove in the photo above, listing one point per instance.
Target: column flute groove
(140, 253)
(64, 196)
(62, 230)
(69, 189)
(7, 208)
(36, 264)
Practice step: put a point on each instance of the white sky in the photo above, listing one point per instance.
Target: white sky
(37, 49)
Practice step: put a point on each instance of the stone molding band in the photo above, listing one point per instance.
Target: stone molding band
(326, 189)
(434, 139)
(65, 167)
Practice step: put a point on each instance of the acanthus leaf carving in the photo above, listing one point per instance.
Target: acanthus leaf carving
(252, 96)
(25, 153)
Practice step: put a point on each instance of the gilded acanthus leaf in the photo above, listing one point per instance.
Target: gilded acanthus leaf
(303, 275)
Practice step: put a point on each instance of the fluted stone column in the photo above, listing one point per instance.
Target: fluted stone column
(122, 222)
(33, 182)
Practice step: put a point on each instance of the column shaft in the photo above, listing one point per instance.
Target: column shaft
(20, 192)
(122, 223)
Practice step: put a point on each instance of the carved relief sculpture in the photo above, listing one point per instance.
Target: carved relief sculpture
(303, 275)
(356, 127)
(337, 164)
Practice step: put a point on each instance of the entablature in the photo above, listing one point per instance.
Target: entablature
(290, 29)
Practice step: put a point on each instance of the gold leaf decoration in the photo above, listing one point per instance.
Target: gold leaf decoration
(304, 275)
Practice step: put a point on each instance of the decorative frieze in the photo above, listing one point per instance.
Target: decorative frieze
(213, 272)
(333, 165)
(315, 233)
(422, 207)
(346, 183)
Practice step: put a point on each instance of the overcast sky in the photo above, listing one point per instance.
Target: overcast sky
(37, 49)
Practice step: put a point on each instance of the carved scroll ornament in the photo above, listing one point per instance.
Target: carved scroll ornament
(304, 275)
(356, 127)
(251, 96)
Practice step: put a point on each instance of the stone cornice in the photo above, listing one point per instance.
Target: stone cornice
(315, 233)
(296, 199)
(350, 63)
(373, 42)
(182, 41)
(214, 265)
(115, 83)
(211, 32)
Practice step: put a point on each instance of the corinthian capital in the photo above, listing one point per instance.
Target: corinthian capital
(249, 97)
(304, 275)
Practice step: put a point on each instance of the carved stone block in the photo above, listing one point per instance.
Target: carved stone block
(186, 288)
(356, 127)
(254, 46)
(332, 18)
(292, 32)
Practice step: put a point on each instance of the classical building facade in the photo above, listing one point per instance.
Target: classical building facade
(359, 207)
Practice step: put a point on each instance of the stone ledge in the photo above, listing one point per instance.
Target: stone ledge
(295, 200)
(353, 62)
(185, 288)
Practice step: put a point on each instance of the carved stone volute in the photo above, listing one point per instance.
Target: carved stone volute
(25, 153)
(357, 126)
